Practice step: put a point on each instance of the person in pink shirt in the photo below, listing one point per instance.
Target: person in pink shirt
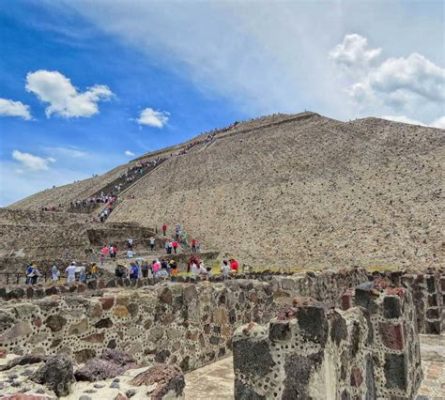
(104, 251)
(156, 266)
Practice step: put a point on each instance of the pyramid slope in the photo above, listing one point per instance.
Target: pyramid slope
(304, 191)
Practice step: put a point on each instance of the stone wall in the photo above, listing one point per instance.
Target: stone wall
(428, 292)
(428, 289)
(311, 352)
(323, 285)
(184, 323)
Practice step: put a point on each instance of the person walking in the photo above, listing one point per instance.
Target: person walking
(82, 274)
(34, 275)
(94, 271)
(113, 251)
(55, 273)
(164, 229)
(177, 231)
(70, 272)
(175, 246)
(144, 270)
(28, 273)
(173, 267)
(225, 269)
(105, 251)
(134, 271)
(152, 243)
(234, 265)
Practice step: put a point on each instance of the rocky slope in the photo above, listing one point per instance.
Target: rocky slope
(299, 191)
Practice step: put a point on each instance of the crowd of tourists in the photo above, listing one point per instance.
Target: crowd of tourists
(52, 208)
(92, 201)
(180, 238)
(105, 212)
(165, 268)
(73, 273)
(138, 269)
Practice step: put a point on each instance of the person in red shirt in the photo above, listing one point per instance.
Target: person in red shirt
(194, 246)
(164, 229)
(234, 265)
(175, 246)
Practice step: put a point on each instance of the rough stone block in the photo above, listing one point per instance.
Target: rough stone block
(92, 284)
(432, 300)
(279, 331)
(442, 284)
(251, 351)
(107, 302)
(391, 307)
(396, 371)
(120, 311)
(313, 323)
(365, 297)
(298, 371)
(431, 283)
(356, 377)
(243, 391)
(55, 322)
(346, 300)
(433, 327)
(339, 330)
(433, 313)
(392, 335)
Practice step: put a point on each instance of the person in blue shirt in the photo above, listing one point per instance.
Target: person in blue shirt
(134, 271)
(28, 272)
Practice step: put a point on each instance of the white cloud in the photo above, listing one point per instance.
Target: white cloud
(10, 108)
(414, 83)
(265, 57)
(129, 153)
(254, 54)
(63, 98)
(404, 119)
(354, 53)
(407, 89)
(439, 123)
(21, 182)
(154, 118)
(32, 162)
(413, 75)
(71, 152)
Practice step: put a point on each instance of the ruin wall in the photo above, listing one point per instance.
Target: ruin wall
(177, 323)
(370, 351)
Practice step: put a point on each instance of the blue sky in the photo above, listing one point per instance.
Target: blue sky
(83, 83)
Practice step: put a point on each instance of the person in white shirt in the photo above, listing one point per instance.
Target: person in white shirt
(70, 272)
(55, 273)
(194, 269)
(225, 269)
(202, 270)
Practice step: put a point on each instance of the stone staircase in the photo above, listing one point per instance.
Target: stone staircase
(116, 187)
